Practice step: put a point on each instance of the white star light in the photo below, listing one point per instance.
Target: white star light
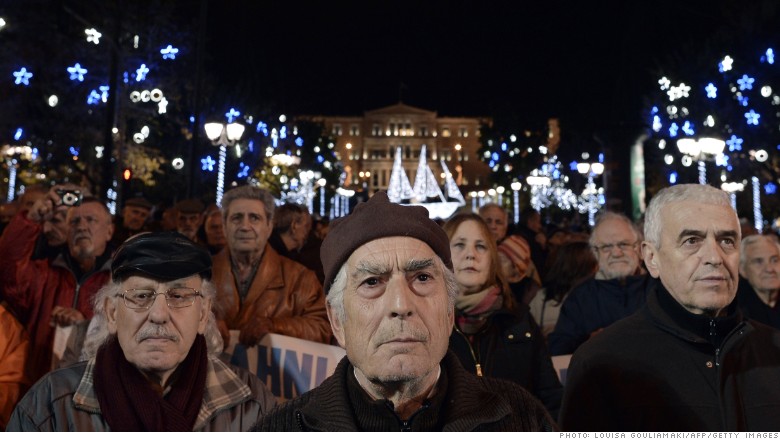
(680, 91)
(141, 73)
(93, 36)
(664, 83)
(169, 52)
(162, 106)
(726, 64)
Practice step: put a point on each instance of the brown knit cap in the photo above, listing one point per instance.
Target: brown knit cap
(379, 218)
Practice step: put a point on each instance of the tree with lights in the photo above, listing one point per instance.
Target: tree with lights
(729, 99)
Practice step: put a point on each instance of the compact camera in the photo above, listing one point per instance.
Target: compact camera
(69, 197)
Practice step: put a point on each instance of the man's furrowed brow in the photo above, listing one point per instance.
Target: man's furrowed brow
(418, 264)
(372, 268)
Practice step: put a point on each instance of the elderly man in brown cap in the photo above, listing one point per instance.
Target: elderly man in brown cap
(388, 274)
(133, 221)
(155, 368)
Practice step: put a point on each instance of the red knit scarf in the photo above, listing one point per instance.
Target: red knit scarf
(128, 401)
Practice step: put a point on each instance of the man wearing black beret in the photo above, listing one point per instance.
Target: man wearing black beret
(155, 365)
(390, 294)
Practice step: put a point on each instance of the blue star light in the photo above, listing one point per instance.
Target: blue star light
(74, 151)
(262, 128)
(573, 166)
(672, 177)
(283, 132)
(770, 188)
(494, 156)
(93, 98)
(18, 134)
(104, 93)
(712, 91)
(722, 160)
(673, 129)
(752, 117)
(22, 76)
(77, 72)
(299, 142)
(743, 100)
(688, 128)
(745, 82)
(169, 52)
(232, 115)
(320, 159)
(141, 72)
(207, 163)
(126, 77)
(769, 56)
(243, 170)
(734, 143)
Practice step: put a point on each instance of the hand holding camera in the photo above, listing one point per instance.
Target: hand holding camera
(65, 196)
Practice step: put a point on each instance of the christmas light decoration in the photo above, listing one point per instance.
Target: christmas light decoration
(746, 82)
(207, 163)
(232, 114)
(77, 72)
(93, 36)
(726, 64)
(712, 91)
(758, 219)
(141, 72)
(169, 52)
(22, 76)
(752, 117)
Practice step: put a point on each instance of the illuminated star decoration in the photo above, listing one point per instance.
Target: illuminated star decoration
(769, 56)
(752, 117)
(673, 129)
(93, 98)
(712, 91)
(93, 36)
(770, 188)
(299, 141)
(262, 128)
(162, 106)
(104, 93)
(664, 83)
(141, 73)
(23, 76)
(745, 82)
(725, 65)
(657, 123)
(74, 151)
(169, 52)
(743, 100)
(672, 177)
(688, 128)
(721, 160)
(680, 91)
(207, 163)
(243, 170)
(18, 134)
(77, 72)
(232, 115)
(734, 143)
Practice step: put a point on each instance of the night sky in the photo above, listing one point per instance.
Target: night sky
(588, 63)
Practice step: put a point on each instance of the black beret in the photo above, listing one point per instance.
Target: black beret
(161, 256)
(375, 219)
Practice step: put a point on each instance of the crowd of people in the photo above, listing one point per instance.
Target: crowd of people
(671, 324)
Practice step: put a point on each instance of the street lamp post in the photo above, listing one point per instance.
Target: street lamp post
(591, 194)
(223, 136)
(700, 150)
(516, 185)
(732, 188)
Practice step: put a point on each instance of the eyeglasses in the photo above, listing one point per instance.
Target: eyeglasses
(177, 297)
(607, 248)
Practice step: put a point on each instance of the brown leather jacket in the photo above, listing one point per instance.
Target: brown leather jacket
(283, 290)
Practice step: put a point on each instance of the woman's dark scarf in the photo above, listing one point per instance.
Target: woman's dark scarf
(129, 402)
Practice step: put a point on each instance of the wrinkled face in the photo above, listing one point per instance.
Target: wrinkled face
(762, 266)
(398, 318)
(215, 234)
(55, 228)
(698, 258)
(247, 228)
(616, 248)
(187, 224)
(134, 217)
(157, 340)
(89, 230)
(470, 257)
(496, 220)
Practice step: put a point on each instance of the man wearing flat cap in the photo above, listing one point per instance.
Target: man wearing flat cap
(189, 217)
(133, 221)
(156, 367)
(390, 302)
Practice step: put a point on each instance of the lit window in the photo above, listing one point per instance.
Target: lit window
(423, 131)
(463, 132)
(445, 131)
(376, 130)
(337, 131)
(354, 130)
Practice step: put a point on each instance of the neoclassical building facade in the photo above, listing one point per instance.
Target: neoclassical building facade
(367, 145)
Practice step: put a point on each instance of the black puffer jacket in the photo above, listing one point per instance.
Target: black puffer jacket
(665, 369)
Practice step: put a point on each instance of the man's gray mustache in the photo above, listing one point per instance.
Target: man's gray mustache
(155, 332)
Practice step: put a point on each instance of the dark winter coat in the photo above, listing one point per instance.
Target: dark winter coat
(666, 369)
(754, 308)
(593, 305)
(470, 404)
(511, 346)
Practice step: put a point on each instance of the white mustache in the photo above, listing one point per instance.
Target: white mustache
(154, 331)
